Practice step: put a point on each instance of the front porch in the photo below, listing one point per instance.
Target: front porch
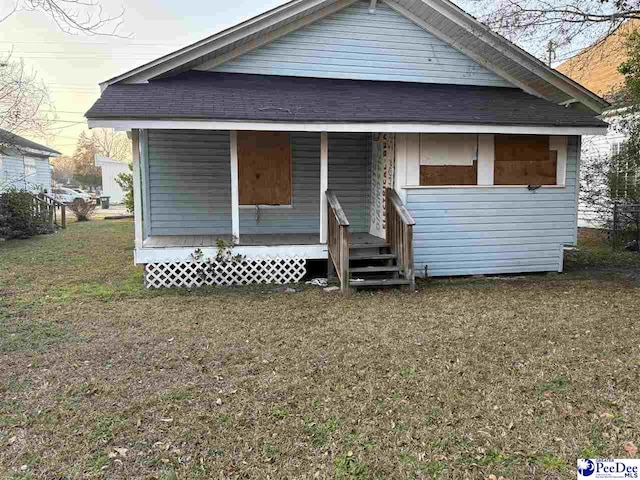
(252, 240)
(263, 192)
(271, 198)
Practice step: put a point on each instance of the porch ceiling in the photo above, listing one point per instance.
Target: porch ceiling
(241, 97)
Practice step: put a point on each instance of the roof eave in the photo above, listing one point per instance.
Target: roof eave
(591, 99)
(128, 123)
(193, 51)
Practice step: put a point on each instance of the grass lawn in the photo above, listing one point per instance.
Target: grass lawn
(466, 378)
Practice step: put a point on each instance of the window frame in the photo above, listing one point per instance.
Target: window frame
(265, 206)
(447, 165)
(32, 165)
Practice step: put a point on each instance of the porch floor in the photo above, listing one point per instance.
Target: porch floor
(206, 241)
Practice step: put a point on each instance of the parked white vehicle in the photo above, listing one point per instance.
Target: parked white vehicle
(66, 195)
(91, 196)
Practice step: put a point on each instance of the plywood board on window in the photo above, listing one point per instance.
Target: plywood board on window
(439, 149)
(524, 160)
(264, 168)
(449, 174)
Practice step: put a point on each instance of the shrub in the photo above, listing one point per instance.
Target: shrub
(125, 181)
(16, 219)
(82, 210)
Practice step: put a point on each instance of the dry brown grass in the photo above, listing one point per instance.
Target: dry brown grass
(464, 379)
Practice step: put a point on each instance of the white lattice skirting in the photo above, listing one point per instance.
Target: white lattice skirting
(250, 270)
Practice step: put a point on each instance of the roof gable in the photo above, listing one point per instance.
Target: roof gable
(439, 17)
(359, 44)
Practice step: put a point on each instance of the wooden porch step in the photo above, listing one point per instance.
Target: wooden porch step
(356, 246)
(374, 256)
(384, 282)
(375, 269)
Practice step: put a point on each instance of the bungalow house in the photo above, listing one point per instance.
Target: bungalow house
(394, 138)
(24, 164)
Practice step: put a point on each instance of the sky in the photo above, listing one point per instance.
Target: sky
(73, 65)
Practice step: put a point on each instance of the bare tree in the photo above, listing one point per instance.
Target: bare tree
(73, 16)
(63, 169)
(22, 98)
(112, 144)
(570, 24)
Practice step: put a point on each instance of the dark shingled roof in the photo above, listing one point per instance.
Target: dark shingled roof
(12, 140)
(233, 96)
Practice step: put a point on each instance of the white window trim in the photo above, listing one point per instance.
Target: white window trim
(486, 159)
(560, 144)
(266, 207)
(31, 165)
(486, 163)
(485, 187)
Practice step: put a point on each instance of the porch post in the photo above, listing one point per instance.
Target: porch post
(324, 184)
(143, 142)
(137, 187)
(235, 196)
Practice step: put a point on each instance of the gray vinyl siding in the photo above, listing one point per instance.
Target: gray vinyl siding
(470, 231)
(189, 182)
(42, 179)
(350, 176)
(355, 44)
(12, 173)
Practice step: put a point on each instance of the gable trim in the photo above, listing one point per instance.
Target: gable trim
(515, 53)
(227, 37)
(275, 35)
(445, 38)
(354, 44)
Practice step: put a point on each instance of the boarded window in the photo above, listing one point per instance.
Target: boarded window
(264, 168)
(524, 160)
(449, 174)
(448, 159)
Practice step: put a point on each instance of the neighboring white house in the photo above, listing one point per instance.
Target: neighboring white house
(24, 164)
(596, 148)
(110, 169)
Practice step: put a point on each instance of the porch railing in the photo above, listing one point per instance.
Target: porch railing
(49, 210)
(399, 233)
(338, 240)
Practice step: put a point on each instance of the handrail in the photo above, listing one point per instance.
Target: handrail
(54, 205)
(399, 234)
(51, 200)
(339, 241)
(401, 209)
(337, 208)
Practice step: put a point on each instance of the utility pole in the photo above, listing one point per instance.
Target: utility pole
(551, 52)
